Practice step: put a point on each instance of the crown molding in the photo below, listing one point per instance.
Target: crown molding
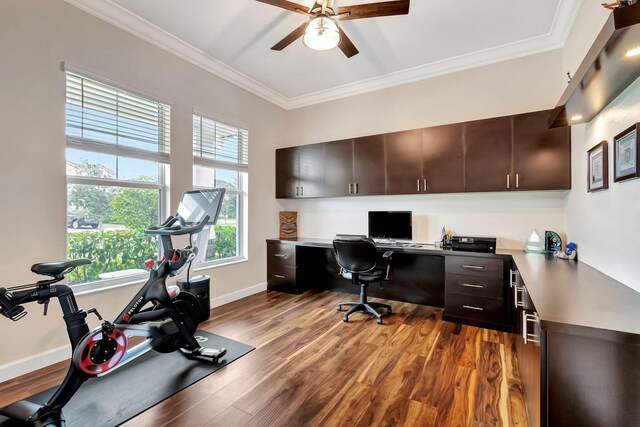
(128, 21)
(122, 18)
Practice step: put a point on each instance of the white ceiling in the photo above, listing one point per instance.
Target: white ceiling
(232, 39)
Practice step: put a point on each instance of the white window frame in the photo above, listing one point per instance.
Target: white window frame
(242, 192)
(93, 146)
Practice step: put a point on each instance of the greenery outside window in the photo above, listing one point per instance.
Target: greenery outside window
(117, 152)
(221, 160)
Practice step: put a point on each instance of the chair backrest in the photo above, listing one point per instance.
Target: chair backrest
(355, 253)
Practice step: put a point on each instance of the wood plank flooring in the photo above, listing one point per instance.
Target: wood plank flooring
(311, 369)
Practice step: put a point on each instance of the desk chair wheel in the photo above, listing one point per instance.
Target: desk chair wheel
(380, 321)
(345, 319)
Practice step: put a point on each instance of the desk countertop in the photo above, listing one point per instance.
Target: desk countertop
(569, 296)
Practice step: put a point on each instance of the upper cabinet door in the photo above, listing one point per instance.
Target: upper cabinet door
(443, 159)
(488, 155)
(338, 165)
(541, 156)
(404, 162)
(286, 173)
(311, 170)
(368, 165)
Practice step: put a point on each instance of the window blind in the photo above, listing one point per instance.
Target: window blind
(110, 120)
(219, 144)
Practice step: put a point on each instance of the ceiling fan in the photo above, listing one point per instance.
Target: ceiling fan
(322, 31)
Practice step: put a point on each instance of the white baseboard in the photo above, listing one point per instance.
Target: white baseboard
(234, 296)
(28, 364)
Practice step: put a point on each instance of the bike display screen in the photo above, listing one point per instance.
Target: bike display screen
(196, 204)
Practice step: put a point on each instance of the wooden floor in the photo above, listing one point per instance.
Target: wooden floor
(311, 369)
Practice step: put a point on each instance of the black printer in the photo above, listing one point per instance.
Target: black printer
(473, 244)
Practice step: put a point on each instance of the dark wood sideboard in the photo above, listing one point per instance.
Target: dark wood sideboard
(511, 153)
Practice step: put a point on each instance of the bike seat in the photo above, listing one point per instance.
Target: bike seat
(55, 269)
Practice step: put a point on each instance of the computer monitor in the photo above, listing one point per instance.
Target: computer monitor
(390, 225)
(196, 204)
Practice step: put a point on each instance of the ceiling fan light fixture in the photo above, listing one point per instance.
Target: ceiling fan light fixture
(321, 33)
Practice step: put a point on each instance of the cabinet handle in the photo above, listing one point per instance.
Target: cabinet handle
(517, 180)
(297, 191)
(471, 307)
(514, 277)
(526, 336)
(350, 188)
(471, 285)
(474, 267)
(356, 188)
(302, 191)
(516, 292)
(424, 185)
(508, 180)
(418, 181)
(279, 276)
(281, 255)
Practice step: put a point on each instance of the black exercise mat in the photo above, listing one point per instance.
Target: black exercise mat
(140, 384)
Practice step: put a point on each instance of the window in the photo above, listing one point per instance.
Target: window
(221, 160)
(117, 149)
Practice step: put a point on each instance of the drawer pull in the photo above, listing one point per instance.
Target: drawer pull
(474, 267)
(280, 255)
(471, 307)
(279, 276)
(471, 285)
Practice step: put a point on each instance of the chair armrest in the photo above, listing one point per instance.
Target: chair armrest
(387, 255)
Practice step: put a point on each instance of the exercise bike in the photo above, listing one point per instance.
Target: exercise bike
(163, 317)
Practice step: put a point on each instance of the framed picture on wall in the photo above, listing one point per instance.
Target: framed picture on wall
(598, 168)
(625, 154)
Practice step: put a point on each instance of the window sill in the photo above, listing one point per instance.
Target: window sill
(138, 279)
(220, 263)
(109, 284)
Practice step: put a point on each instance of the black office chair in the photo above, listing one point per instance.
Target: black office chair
(358, 255)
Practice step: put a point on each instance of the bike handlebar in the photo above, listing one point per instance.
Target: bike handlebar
(168, 228)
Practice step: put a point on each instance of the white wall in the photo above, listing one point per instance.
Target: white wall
(526, 84)
(605, 224)
(35, 36)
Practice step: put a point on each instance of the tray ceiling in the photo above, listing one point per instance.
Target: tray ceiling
(232, 39)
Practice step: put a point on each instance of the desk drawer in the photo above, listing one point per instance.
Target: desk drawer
(281, 254)
(282, 279)
(482, 309)
(474, 266)
(474, 285)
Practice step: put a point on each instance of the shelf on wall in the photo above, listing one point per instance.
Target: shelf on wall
(606, 71)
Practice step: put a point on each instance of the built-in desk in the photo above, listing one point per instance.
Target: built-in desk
(421, 274)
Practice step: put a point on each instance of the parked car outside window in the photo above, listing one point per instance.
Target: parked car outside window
(74, 221)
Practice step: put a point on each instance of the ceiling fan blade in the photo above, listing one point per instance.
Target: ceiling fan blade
(346, 45)
(291, 37)
(283, 4)
(372, 10)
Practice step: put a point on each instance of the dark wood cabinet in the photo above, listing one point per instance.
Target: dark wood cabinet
(286, 173)
(338, 168)
(300, 171)
(404, 162)
(354, 167)
(368, 166)
(474, 291)
(541, 156)
(443, 159)
(488, 155)
(513, 153)
(281, 267)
